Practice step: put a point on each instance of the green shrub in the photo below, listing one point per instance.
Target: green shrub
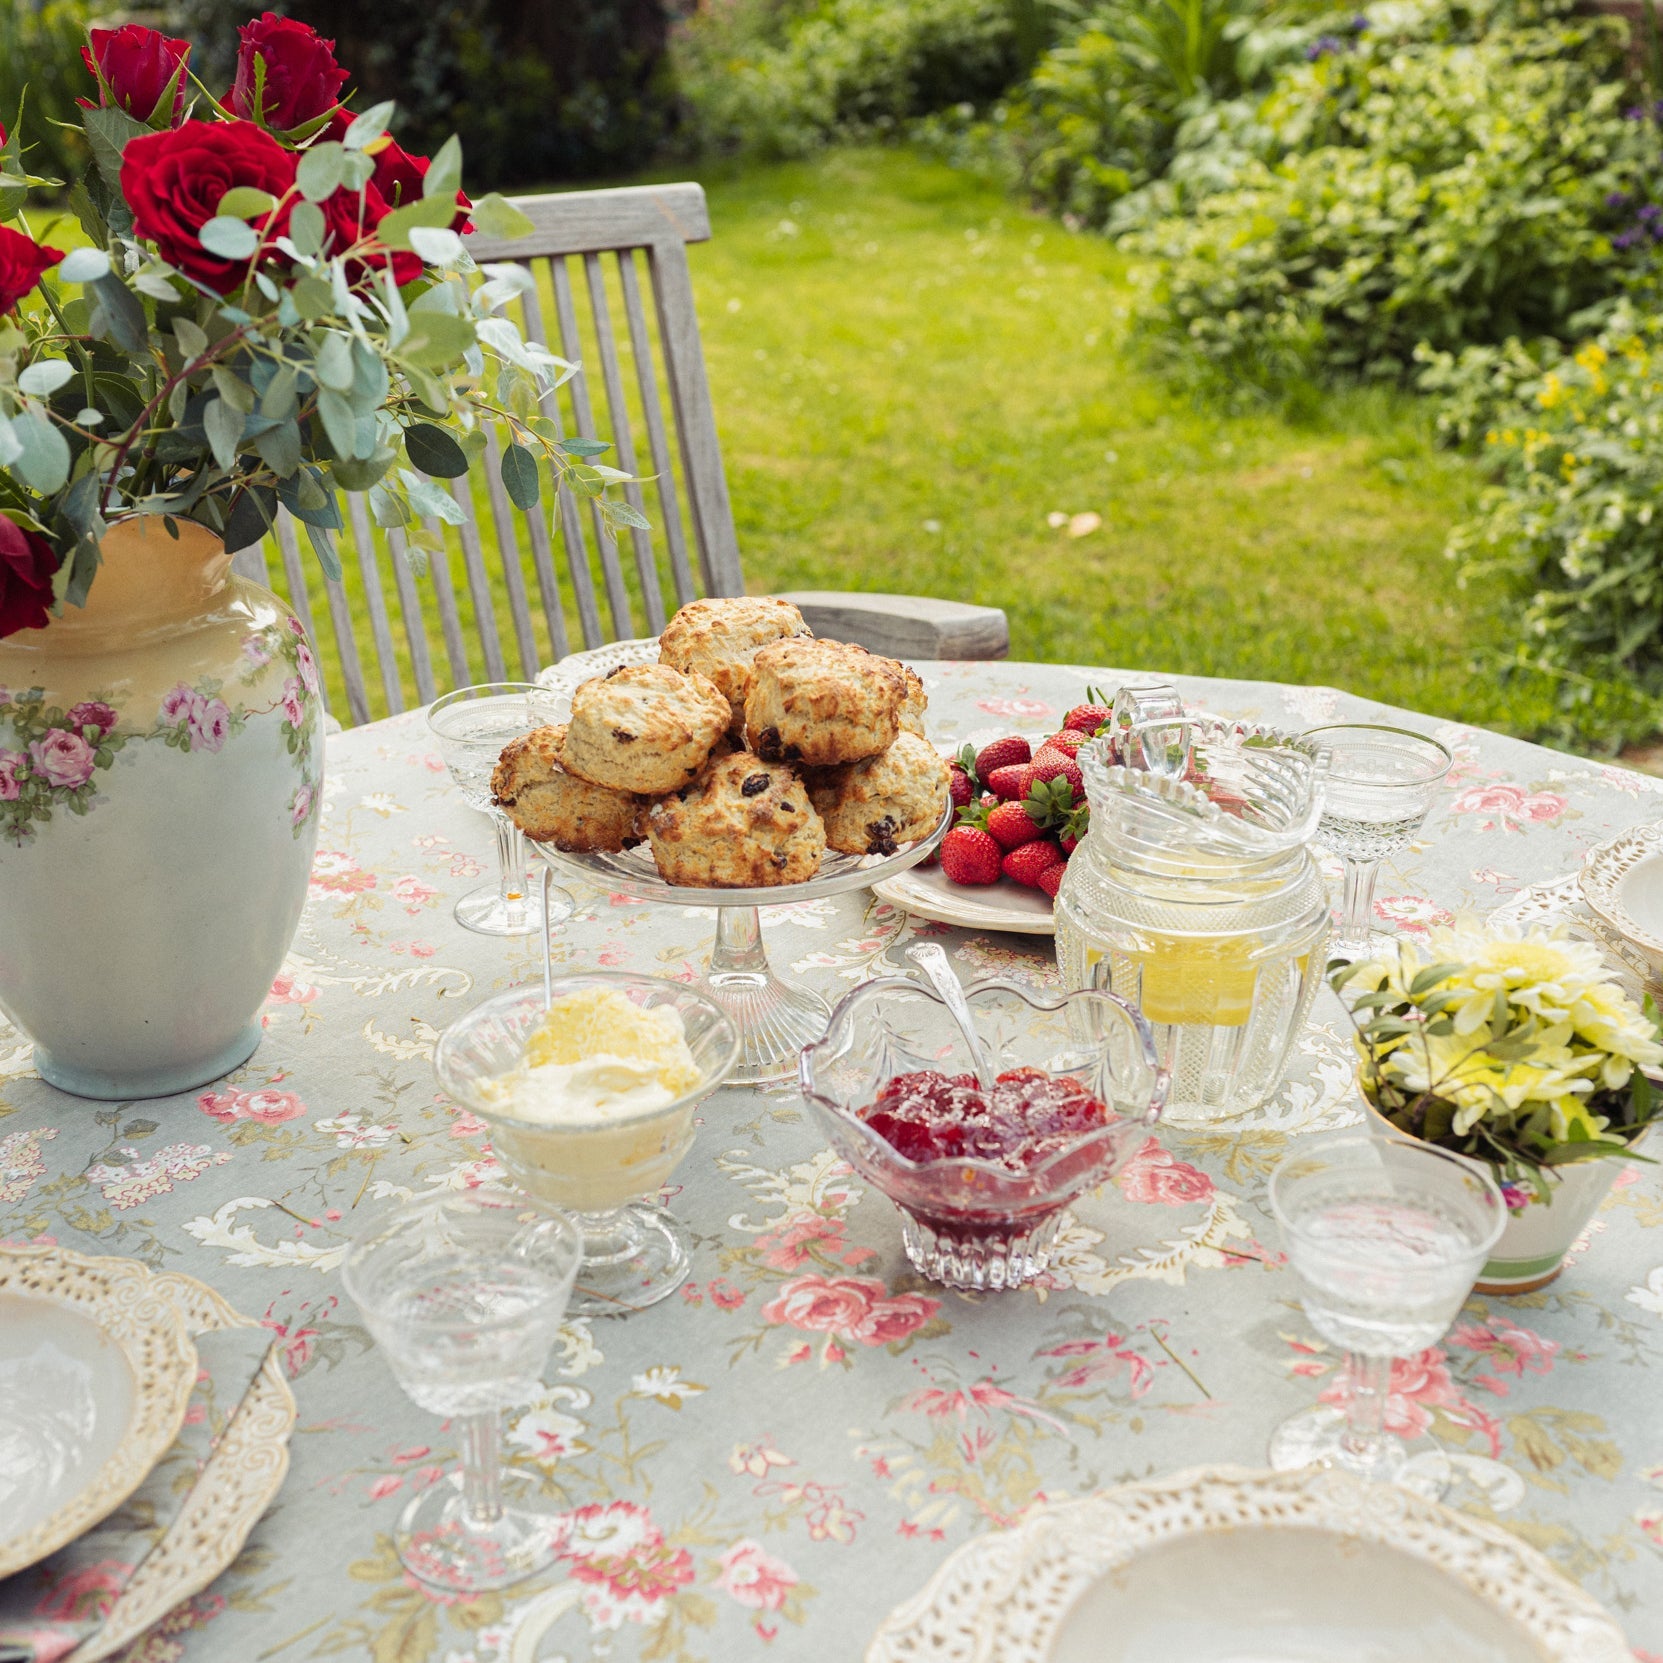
(41, 70)
(777, 80)
(1577, 514)
(537, 90)
(1415, 186)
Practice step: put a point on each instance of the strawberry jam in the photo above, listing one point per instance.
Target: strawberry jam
(1026, 1118)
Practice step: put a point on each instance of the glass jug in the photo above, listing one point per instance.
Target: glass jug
(1194, 897)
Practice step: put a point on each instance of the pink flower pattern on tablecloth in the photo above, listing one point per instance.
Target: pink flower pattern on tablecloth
(1507, 1347)
(270, 1108)
(628, 1569)
(1503, 806)
(855, 1308)
(1155, 1176)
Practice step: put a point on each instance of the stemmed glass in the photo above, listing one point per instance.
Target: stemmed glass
(472, 725)
(1378, 786)
(1386, 1236)
(465, 1293)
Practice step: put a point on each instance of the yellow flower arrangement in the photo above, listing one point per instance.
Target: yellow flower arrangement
(1519, 1046)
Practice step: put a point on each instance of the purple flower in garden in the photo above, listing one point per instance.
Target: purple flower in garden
(1359, 23)
(62, 758)
(1617, 199)
(1625, 239)
(92, 713)
(210, 723)
(14, 769)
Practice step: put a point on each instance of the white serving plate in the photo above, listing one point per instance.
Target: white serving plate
(1622, 881)
(927, 892)
(1222, 1565)
(96, 1369)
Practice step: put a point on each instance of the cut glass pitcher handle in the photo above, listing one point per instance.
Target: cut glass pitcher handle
(1153, 734)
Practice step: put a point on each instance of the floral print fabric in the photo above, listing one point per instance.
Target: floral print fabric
(769, 1461)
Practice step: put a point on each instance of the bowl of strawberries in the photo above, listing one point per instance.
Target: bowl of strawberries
(1021, 811)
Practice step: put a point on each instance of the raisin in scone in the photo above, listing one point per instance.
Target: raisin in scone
(531, 786)
(915, 704)
(869, 807)
(719, 638)
(646, 728)
(742, 824)
(823, 702)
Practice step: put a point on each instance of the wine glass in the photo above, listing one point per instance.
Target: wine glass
(1386, 1236)
(603, 1169)
(472, 725)
(1378, 785)
(465, 1293)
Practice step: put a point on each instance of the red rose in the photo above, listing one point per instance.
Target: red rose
(399, 175)
(136, 70)
(27, 562)
(173, 182)
(348, 217)
(302, 81)
(22, 260)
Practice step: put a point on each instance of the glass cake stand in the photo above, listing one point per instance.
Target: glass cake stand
(775, 1019)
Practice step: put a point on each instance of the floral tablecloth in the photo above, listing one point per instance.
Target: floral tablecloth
(772, 1459)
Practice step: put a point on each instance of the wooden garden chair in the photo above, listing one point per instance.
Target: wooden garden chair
(590, 590)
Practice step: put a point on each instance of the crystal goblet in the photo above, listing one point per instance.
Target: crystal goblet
(1377, 788)
(601, 1170)
(464, 1293)
(1387, 1237)
(471, 726)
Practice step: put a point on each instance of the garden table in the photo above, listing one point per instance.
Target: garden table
(773, 1458)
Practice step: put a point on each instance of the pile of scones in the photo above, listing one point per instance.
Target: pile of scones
(745, 753)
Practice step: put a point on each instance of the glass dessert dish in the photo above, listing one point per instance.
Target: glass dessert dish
(600, 1164)
(982, 1201)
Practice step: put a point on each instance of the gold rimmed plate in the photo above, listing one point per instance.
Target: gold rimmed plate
(96, 1369)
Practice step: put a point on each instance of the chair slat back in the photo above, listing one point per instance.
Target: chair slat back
(400, 636)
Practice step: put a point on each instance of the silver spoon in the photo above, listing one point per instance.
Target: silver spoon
(929, 958)
(548, 945)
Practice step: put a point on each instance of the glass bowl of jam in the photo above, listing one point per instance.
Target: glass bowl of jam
(982, 1177)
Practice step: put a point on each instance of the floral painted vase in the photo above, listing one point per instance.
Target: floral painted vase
(1537, 1235)
(160, 761)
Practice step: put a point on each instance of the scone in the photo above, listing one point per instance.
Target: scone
(742, 824)
(646, 728)
(719, 639)
(915, 704)
(532, 787)
(869, 807)
(821, 702)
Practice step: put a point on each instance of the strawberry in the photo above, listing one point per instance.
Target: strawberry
(1087, 718)
(1050, 880)
(974, 813)
(1006, 783)
(1051, 765)
(1068, 742)
(1001, 753)
(1024, 865)
(960, 785)
(1049, 802)
(1013, 825)
(970, 856)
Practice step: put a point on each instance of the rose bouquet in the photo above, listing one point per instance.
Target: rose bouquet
(273, 302)
(1517, 1047)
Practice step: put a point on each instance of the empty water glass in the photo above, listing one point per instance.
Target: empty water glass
(1378, 786)
(464, 1293)
(1386, 1236)
(472, 725)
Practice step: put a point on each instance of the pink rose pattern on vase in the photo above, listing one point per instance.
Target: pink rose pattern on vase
(52, 758)
(857, 1423)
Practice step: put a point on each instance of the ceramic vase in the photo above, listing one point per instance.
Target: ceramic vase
(1537, 1235)
(160, 760)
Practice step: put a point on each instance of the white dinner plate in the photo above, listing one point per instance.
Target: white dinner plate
(96, 1369)
(1221, 1565)
(927, 892)
(1622, 880)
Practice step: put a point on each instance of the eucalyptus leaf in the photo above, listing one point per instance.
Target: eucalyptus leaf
(192, 338)
(279, 448)
(436, 340)
(444, 174)
(122, 313)
(278, 400)
(223, 424)
(355, 474)
(253, 512)
(437, 245)
(244, 201)
(394, 230)
(11, 447)
(306, 231)
(434, 451)
(323, 545)
(584, 447)
(43, 462)
(519, 477)
(83, 265)
(427, 498)
(313, 298)
(357, 170)
(496, 216)
(334, 362)
(624, 514)
(236, 392)
(319, 173)
(336, 413)
(44, 377)
(367, 127)
(230, 239)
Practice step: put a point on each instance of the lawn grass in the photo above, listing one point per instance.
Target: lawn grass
(911, 373)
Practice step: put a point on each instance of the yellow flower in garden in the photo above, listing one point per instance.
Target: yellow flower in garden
(1552, 393)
